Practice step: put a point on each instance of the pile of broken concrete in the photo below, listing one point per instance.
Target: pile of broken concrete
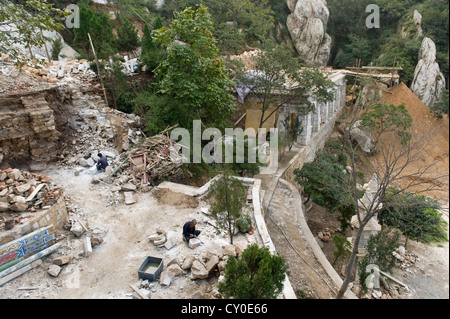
(21, 191)
(201, 264)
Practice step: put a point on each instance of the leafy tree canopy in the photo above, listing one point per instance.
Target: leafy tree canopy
(255, 274)
(193, 73)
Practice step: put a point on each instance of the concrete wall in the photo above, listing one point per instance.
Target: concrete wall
(317, 129)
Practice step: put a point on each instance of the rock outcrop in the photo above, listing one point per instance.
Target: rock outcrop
(429, 82)
(307, 26)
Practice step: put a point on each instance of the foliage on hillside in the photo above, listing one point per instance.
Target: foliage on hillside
(395, 40)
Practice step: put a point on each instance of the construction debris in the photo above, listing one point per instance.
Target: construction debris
(21, 191)
(155, 158)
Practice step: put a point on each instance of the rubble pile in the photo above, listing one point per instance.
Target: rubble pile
(55, 71)
(21, 191)
(201, 264)
(404, 259)
(155, 158)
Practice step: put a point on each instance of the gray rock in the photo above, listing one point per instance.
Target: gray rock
(4, 207)
(362, 137)
(77, 229)
(194, 242)
(54, 270)
(212, 263)
(128, 187)
(18, 207)
(62, 260)
(198, 271)
(188, 262)
(307, 27)
(130, 199)
(429, 82)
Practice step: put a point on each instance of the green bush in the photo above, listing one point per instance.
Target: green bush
(244, 223)
(255, 274)
(323, 181)
(379, 252)
(416, 216)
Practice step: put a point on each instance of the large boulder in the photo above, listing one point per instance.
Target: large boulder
(429, 82)
(362, 137)
(199, 271)
(307, 26)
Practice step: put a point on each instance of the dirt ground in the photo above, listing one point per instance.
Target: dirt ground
(113, 265)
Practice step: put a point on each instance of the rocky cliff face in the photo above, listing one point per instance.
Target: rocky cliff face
(429, 82)
(307, 26)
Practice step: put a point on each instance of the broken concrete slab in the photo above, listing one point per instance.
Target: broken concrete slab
(128, 187)
(61, 260)
(166, 278)
(187, 263)
(198, 271)
(175, 270)
(130, 199)
(171, 240)
(194, 242)
(77, 229)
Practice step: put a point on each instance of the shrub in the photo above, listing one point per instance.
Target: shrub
(255, 274)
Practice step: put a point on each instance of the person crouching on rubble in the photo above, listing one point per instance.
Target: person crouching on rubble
(102, 162)
(189, 231)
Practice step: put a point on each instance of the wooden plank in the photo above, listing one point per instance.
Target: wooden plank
(29, 260)
(27, 248)
(19, 242)
(138, 292)
(34, 193)
(394, 279)
(19, 272)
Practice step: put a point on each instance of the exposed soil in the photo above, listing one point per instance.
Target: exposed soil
(167, 197)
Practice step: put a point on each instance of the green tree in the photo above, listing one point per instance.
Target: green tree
(151, 54)
(442, 107)
(323, 181)
(127, 36)
(382, 118)
(100, 30)
(255, 274)
(23, 23)
(343, 249)
(57, 46)
(416, 216)
(379, 252)
(193, 74)
(227, 197)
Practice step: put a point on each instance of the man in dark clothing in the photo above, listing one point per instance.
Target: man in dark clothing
(189, 230)
(102, 162)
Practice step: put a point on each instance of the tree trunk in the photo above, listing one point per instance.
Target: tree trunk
(350, 265)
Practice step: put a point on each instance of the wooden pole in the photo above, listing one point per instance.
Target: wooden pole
(45, 46)
(98, 68)
(19, 272)
(29, 260)
(103, 87)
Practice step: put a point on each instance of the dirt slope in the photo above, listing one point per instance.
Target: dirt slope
(436, 130)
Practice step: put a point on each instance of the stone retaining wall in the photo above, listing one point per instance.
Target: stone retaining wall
(55, 215)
